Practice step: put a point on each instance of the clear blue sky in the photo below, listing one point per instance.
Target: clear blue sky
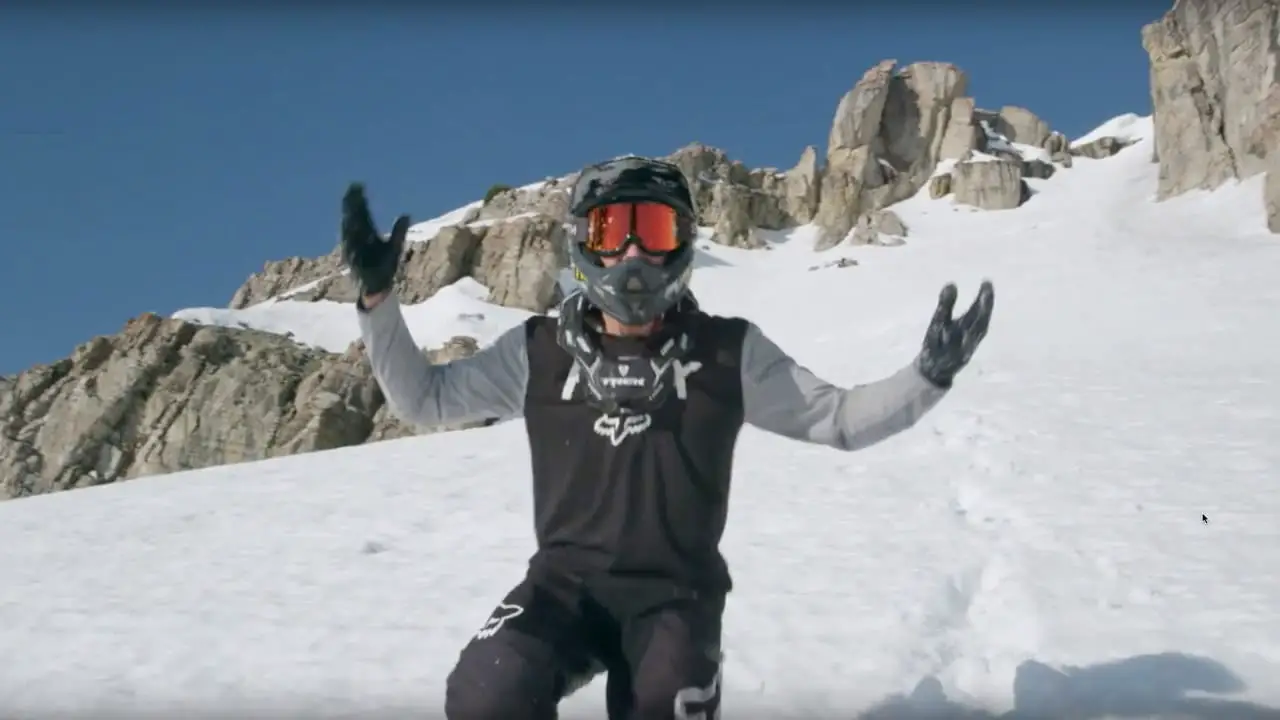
(152, 158)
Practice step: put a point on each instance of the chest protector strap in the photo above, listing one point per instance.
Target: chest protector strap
(623, 384)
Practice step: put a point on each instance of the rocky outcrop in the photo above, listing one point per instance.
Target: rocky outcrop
(1038, 169)
(1103, 147)
(734, 199)
(517, 259)
(520, 261)
(1271, 197)
(882, 227)
(963, 135)
(1213, 64)
(279, 276)
(166, 395)
(708, 168)
(1059, 148)
(989, 184)
(940, 186)
(734, 225)
(796, 189)
(1018, 141)
(1022, 126)
(887, 135)
(886, 139)
(1265, 143)
(428, 267)
(550, 197)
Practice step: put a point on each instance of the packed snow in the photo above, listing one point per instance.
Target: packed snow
(1088, 525)
(1127, 128)
(459, 309)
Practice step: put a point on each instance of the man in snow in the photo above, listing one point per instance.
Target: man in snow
(633, 400)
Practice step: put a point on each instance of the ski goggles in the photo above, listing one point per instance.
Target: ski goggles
(653, 226)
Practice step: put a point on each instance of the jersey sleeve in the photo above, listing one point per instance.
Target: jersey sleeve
(487, 385)
(781, 396)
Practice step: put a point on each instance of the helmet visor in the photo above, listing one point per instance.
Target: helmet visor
(653, 226)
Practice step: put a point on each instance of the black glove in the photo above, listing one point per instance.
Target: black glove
(949, 343)
(372, 258)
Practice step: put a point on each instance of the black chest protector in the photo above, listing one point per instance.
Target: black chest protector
(631, 444)
(627, 383)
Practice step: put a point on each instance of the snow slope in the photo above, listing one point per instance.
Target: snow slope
(1128, 128)
(1035, 544)
(459, 309)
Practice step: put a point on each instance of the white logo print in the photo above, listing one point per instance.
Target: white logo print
(501, 614)
(693, 703)
(623, 378)
(681, 372)
(617, 427)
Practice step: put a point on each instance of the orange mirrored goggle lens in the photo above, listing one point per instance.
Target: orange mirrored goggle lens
(653, 226)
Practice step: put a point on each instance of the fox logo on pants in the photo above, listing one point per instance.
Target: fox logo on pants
(501, 615)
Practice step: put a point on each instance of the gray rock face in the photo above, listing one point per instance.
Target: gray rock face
(1271, 197)
(1103, 147)
(1038, 169)
(550, 197)
(940, 186)
(1265, 143)
(166, 395)
(888, 134)
(279, 276)
(1213, 65)
(882, 227)
(1020, 125)
(517, 259)
(963, 135)
(989, 184)
(736, 200)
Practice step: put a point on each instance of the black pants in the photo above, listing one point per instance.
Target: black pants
(659, 646)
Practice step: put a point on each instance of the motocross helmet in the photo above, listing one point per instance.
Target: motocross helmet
(614, 205)
(632, 200)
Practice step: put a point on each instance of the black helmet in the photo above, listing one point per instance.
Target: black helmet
(634, 291)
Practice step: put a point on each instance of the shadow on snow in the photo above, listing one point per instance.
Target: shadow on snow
(1144, 686)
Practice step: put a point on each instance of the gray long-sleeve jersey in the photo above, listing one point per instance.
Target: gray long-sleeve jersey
(646, 494)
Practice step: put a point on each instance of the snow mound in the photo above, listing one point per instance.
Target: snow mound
(428, 229)
(1128, 127)
(458, 309)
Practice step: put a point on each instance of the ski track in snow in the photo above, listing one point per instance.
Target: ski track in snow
(1034, 545)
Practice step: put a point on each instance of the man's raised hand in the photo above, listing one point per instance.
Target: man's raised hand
(372, 258)
(950, 342)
